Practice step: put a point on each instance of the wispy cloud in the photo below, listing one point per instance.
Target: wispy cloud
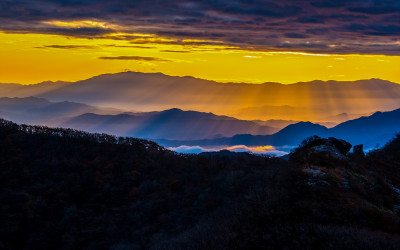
(66, 47)
(129, 46)
(256, 150)
(189, 149)
(176, 51)
(137, 58)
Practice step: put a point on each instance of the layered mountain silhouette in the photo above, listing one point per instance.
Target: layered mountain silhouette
(310, 101)
(168, 124)
(371, 131)
(292, 135)
(33, 110)
(271, 110)
(175, 127)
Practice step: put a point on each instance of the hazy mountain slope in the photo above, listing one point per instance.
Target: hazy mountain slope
(35, 110)
(376, 128)
(19, 90)
(22, 104)
(343, 117)
(168, 124)
(295, 133)
(313, 101)
(179, 127)
(292, 135)
(276, 123)
(373, 130)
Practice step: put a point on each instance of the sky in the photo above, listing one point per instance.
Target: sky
(224, 40)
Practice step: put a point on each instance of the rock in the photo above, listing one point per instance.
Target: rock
(341, 145)
(316, 150)
(316, 172)
(313, 182)
(358, 151)
(328, 151)
(397, 190)
(345, 184)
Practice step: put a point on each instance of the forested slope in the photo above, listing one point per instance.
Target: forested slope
(65, 189)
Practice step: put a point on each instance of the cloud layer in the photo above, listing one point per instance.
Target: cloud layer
(317, 26)
(270, 150)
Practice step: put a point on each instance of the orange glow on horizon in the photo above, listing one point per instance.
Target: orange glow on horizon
(256, 150)
(33, 58)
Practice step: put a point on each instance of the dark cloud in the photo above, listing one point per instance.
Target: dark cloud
(176, 42)
(311, 19)
(190, 34)
(295, 35)
(261, 8)
(81, 32)
(317, 31)
(135, 58)
(66, 47)
(176, 51)
(328, 4)
(374, 30)
(258, 24)
(376, 10)
(129, 46)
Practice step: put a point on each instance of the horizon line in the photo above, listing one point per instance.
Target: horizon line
(198, 78)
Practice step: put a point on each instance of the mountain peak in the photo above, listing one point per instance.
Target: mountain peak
(302, 127)
(305, 124)
(173, 110)
(28, 100)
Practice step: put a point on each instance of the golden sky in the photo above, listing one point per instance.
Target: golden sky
(32, 58)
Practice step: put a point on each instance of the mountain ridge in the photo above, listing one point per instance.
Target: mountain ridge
(378, 128)
(317, 81)
(156, 91)
(172, 123)
(176, 127)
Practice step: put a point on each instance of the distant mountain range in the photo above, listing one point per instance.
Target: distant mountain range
(175, 127)
(315, 101)
(261, 114)
(168, 124)
(374, 130)
(33, 110)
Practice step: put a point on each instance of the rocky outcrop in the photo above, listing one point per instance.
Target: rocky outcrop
(321, 150)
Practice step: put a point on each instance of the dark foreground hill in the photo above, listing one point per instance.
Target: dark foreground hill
(65, 189)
